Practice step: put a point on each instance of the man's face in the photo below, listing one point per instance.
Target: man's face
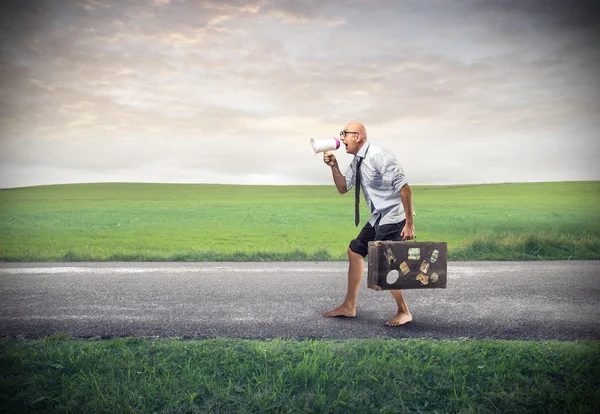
(351, 139)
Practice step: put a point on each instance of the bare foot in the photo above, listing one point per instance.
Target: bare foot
(401, 318)
(341, 311)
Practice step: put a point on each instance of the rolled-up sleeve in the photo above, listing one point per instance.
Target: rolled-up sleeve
(391, 173)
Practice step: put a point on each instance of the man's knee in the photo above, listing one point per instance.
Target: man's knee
(358, 247)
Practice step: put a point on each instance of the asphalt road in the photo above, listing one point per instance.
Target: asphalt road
(502, 300)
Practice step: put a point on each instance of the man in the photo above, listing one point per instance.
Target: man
(389, 198)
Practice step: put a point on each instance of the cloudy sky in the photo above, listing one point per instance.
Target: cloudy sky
(209, 91)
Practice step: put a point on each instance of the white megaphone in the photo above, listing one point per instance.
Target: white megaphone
(321, 145)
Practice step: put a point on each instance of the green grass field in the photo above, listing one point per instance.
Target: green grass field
(231, 375)
(174, 222)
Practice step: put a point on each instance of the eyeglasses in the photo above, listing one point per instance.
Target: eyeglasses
(343, 133)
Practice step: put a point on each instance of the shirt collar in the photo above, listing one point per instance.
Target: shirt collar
(363, 150)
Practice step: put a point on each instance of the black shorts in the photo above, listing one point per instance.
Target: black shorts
(369, 233)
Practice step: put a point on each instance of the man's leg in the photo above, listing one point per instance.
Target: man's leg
(357, 251)
(403, 316)
(355, 274)
(392, 232)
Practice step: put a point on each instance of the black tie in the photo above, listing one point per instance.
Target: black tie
(357, 193)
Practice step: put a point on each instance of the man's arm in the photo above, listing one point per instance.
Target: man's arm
(338, 178)
(408, 233)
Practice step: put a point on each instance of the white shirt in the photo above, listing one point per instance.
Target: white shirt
(381, 181)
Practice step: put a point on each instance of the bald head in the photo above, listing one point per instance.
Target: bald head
(360, 128)
(354, 138)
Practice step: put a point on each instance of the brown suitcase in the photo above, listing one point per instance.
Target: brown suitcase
(407, 265)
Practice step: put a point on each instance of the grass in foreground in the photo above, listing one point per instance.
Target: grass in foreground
(184, 222)
(232, 375)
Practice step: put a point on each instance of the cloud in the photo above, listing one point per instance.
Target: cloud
(574, 15)
(235, 87)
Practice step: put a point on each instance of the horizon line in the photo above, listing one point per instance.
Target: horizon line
(286, 185)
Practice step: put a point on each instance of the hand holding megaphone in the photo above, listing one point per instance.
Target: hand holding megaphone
(322, 145)
(329, 158)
